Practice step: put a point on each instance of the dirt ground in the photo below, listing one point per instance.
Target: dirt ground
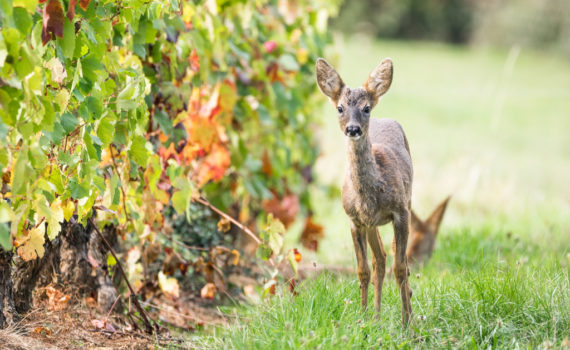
(75, 325)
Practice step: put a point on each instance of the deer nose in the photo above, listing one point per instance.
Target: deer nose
(353, 130)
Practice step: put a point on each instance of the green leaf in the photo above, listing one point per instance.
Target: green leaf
(138, 150)
(5, 212)
(22, 173)
(67, 43)
(106, 130)
(68, 122)
(23, 20)
(5, 240)
(263, 252)
(275, 231)
(3, 51)
(30, 5)
(288, 62)
(78, 190)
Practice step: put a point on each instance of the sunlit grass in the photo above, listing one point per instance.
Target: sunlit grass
(504, 293)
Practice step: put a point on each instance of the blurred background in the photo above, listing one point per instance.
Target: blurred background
(482, 89)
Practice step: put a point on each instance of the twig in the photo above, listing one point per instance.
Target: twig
(112, 308)
(226, 216)
(133, 295)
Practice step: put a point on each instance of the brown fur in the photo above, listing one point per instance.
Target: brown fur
(424, 233)
(378, 181)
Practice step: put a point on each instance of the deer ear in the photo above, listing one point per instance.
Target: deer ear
(329, 80)
(379, 80)
(435, 218)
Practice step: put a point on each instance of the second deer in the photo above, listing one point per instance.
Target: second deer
(377, 188)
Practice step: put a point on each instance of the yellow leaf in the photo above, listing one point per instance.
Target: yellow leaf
(31, 246)
(168, 285)
(235, 255)
(68, 209)
(55, 219)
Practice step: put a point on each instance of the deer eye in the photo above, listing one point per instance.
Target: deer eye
(366, 109)
(339, 109)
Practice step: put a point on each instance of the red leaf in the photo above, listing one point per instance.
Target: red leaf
(194, 61)
(297, 255)
(285, 209)
(312, 234)
(71, 9)
(84, 4)
(52, 21)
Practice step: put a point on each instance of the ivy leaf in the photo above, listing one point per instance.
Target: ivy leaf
(52, 21)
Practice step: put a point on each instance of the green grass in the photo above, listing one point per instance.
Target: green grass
(475, 293)
(489, 127)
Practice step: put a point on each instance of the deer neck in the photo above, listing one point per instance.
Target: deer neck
(363, 171)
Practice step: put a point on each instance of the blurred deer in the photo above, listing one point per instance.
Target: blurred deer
(424, 233)
(377, 187)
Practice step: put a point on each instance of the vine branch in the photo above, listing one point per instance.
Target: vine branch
(133, 295)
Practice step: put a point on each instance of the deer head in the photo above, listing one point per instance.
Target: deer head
(354, 105)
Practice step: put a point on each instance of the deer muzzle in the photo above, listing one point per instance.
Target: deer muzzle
(353, 131)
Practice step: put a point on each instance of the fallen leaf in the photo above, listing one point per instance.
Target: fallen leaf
(42, 330)
(169, 286)
(57, 300)
(208, 291)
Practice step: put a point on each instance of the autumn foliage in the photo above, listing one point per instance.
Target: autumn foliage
(128, 109)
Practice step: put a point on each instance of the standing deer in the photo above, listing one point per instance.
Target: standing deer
(377, 187)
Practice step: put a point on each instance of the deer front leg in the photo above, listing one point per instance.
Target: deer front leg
(401, 271)
(378, 266)
(359, 239)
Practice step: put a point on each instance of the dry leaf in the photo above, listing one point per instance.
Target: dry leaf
(312, 234)
(224, 225)
(31, 244)
(52, 20)
(284, 209)
(208, 291)
(169, 286)
(56, 298)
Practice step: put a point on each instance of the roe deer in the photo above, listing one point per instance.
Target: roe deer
(377, 187)
(424, 233)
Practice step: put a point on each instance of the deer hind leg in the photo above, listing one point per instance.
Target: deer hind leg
(359, 239)
(378, 266)
(401, 271)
